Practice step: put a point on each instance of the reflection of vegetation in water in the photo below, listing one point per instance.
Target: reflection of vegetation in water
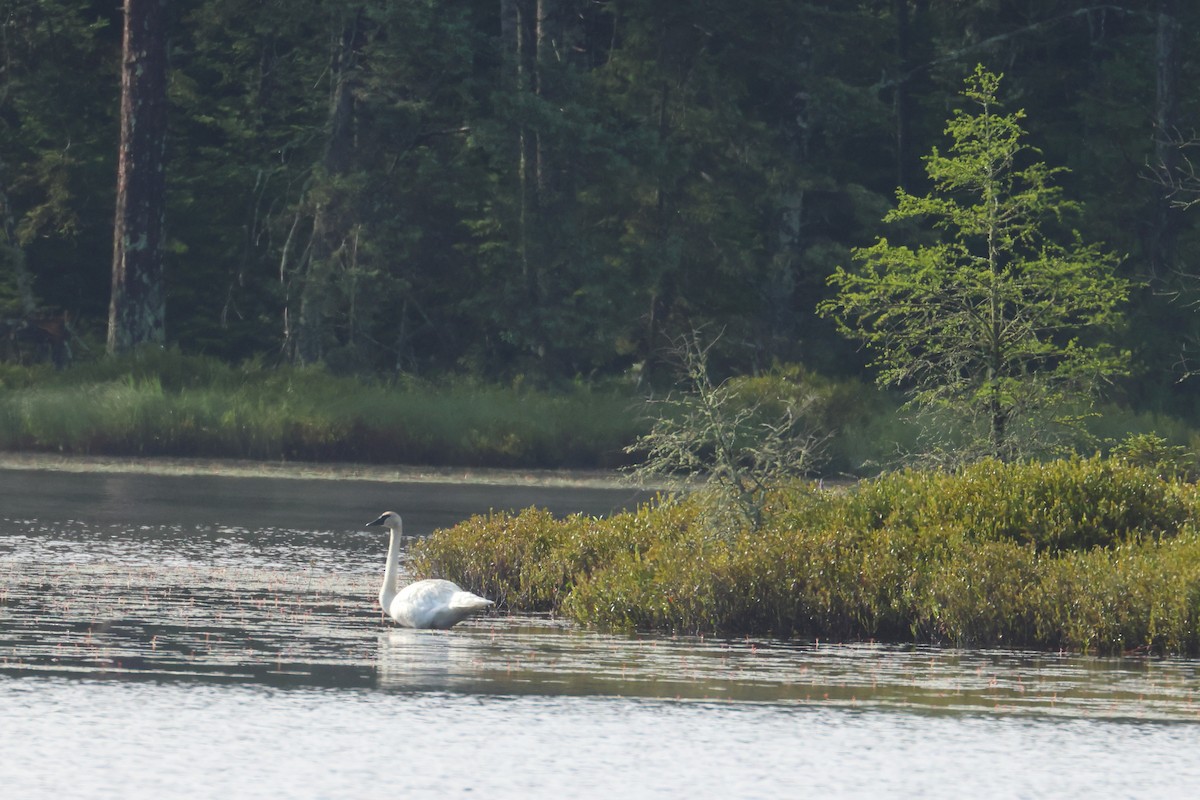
(537, 655)
(1086, 554)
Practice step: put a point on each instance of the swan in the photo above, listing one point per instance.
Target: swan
(430, 603)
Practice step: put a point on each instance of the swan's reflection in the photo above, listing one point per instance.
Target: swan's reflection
(520, 655)
(431, 660)
(494, 655)
(497, 655)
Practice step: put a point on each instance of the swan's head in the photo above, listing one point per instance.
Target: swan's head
(389, 519)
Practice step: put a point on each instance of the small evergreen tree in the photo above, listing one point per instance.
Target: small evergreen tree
(994, 329)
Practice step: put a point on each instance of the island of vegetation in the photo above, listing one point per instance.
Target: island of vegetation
(1094, 555)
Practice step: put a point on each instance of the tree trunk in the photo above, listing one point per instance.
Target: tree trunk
(557, 47)
(518, 32)
(663, 288)
(315, 268)
(544, 42)
(780, 287)
(909, 20)
(137, 307)
(1165, 231)
(12, 255)
(903, 105)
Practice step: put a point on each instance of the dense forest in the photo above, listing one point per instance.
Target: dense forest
(555, 189)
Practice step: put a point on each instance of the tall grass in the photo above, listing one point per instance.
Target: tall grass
(1090, 554)
(164, 403)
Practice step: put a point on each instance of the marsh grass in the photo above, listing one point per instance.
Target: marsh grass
(1096, 555)
(165, 403)
(162, 402)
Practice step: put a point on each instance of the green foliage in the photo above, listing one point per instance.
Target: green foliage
(58, 133)
(996, 323)
(201, 406)
(1152, 451)
(166, 403)
(858, 426)
(531, 560)
(1086, 554)
(1052, 506)
(1138, 596)
(485, 203)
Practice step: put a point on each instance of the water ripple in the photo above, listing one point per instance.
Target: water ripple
(290, 607)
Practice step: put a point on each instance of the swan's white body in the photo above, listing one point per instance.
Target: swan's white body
(430, 603)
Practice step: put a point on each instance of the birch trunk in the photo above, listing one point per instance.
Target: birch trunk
(137, 308)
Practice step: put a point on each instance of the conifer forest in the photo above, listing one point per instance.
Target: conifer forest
(555, 190)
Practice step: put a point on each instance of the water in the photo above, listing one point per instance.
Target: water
(198, 638)
(88, 738)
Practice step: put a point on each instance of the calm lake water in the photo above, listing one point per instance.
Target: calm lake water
(199, 637)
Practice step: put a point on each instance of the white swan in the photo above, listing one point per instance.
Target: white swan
(425, 604)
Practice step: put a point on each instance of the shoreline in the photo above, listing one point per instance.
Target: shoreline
(303, 470)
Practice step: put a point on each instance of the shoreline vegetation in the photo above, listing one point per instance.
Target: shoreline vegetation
(1095, 554)
(165, 404)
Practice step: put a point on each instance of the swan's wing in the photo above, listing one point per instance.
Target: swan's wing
(469, 601)
(434, 604)
(432, 593)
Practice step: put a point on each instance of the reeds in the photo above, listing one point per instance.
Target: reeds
(169, 404)
(165, 403)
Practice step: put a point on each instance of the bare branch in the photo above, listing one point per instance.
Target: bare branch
(992, 41)
(1180, 181)
(727, 437)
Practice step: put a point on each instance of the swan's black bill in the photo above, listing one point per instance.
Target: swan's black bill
(379, 521)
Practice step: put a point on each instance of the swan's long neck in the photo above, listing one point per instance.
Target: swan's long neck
(391, 571)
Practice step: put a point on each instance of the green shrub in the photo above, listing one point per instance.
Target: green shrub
(980, 596)
(1137, 596)
(1153, 451)
(1084, 554)
(531, 560)
(1056, 505)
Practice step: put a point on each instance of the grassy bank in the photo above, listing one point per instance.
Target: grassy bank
(167, 404)
(1094, 555)
(164, 403)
